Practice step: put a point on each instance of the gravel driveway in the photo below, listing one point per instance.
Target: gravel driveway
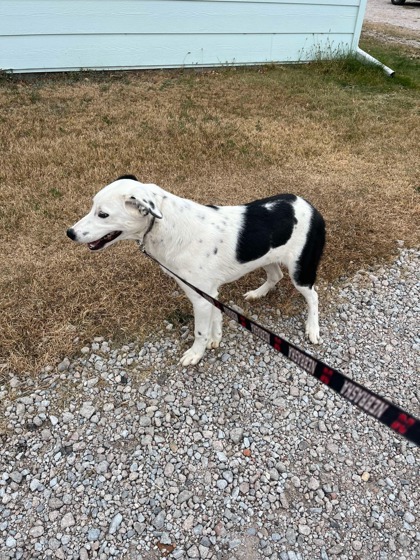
(382, 11)
(121, 453)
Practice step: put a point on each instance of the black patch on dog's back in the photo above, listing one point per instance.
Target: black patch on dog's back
(265, 228)
(212, 206)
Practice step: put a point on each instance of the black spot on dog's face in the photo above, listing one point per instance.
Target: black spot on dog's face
(215, 251)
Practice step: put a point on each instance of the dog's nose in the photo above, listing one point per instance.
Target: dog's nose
(71, 234)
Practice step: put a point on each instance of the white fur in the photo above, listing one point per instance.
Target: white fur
(184, 237)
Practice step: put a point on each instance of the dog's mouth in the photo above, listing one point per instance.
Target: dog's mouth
(100, 243)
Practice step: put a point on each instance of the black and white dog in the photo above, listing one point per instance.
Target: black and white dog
(211, 245)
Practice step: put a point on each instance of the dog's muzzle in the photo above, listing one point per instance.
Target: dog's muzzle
(99, 243)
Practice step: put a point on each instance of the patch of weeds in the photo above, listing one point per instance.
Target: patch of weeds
(55, 193)
(229, 145)
(86, 99)
(34, 96)
(207, 118)
(107, 120)
(351, 71)
(406, 67)
(166, 84)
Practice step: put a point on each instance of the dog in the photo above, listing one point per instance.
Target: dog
(211, 245)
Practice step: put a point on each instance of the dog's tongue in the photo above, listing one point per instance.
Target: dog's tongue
(99, 243)
(95, 244)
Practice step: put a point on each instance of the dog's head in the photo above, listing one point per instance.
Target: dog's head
(121, 210)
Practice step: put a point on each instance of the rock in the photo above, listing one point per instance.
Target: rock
(16, 477)
(102, 467)
(221, 484)
(193, 552)
(236, 435)
(304, 530)
(87, 410)
(36, 531)
(64, 365)
(67, 417)
(184, 496)
(11, 542)
(409, 517)
(93, 534)
(115, 523)
(34, 484)
(313, 483)
(159, 521)
(67, 521)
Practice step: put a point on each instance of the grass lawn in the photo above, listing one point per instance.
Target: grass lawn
(341, 134)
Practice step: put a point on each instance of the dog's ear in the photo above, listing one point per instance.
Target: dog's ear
(132, 177)
(144, 206)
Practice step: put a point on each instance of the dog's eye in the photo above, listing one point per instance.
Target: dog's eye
(103, 215)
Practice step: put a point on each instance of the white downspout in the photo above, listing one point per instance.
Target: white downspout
(364, 56)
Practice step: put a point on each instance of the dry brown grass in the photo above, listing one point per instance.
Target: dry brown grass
(344, 139)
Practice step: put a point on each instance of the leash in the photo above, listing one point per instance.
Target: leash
(397, 419)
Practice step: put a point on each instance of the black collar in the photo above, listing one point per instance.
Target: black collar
(143, 241)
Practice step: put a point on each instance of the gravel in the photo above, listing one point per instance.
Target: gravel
(383, 12)
(121, 453)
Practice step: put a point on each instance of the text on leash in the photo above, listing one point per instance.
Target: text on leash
(362, 398)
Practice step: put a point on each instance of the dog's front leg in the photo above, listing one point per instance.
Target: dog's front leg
(203, 314)
(215, 328)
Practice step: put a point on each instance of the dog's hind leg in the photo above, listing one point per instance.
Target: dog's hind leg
(312, 324)
(303, 279)
(303, 272)
(274, 274)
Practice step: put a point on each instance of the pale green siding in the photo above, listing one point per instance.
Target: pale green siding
(55, 35)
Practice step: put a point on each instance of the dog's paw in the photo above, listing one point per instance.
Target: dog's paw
(191, 357)
(258, 293)
(313, 335)
(213, 343)
(249, 296)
